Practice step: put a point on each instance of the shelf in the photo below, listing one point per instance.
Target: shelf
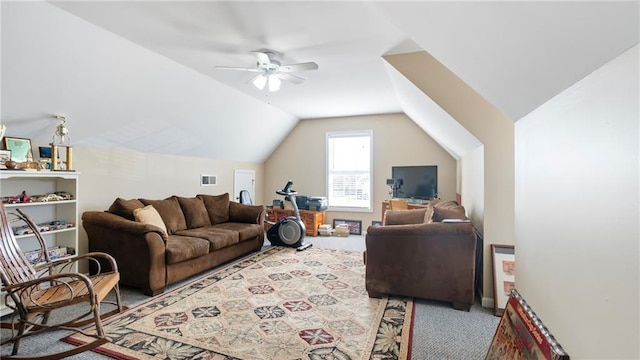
(7, 174)
(44, 233)
(39, 203)
(13, 182)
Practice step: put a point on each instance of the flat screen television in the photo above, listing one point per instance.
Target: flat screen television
(418, 182)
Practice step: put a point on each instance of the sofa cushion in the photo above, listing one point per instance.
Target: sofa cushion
(246, 231)
(217, 207)
(195, 213)
(170, 212)
(149, 215)
(124, 208)
(440, 214)
(181, 248)
(217, 238)
(404, 217)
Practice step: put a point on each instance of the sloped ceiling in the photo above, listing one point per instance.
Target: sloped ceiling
(516, 54)
(519, 54)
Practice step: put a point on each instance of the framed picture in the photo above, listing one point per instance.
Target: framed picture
(20, 148)
(355, 226)
(504, 265)
(521, 335)
(5, 155)
(376, 223)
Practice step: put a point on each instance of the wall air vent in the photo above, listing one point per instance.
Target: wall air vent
(208, 180)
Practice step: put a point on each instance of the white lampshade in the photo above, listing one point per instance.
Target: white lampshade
(260, 81)
(274, 83)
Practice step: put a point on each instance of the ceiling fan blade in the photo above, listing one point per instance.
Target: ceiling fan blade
(299, 67)
(236, 68)
(263, 58)
(291, 78)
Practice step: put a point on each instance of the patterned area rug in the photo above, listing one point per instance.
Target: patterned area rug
(277, 304)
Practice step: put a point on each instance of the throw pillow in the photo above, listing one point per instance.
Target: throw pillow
(124, 208)
(440, 214)
(195, 213)
(404, 217)
(149, 215)
(171, 213)
(217, 207)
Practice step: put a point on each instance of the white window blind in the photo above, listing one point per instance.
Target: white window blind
(349, 170)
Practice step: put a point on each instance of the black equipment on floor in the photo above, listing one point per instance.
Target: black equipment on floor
(290, 230)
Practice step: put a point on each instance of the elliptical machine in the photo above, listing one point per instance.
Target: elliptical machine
(290, 230)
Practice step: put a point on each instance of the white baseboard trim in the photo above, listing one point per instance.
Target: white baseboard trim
(487, 302)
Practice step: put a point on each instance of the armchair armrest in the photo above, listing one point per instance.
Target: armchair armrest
(243, 213)
(25, 289)
(67, 262)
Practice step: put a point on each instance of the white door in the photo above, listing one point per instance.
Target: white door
(244, 180)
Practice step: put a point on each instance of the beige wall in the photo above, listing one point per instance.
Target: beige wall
(396, 140)
(110, 173)
(492, 128)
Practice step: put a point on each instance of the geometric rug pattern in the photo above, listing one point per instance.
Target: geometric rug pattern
(276, 304)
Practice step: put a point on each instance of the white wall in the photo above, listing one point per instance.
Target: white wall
(577, 212)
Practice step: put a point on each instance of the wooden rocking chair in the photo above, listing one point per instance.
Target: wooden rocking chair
(33, 291)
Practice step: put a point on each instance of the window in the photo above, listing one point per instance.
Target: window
(349, 170)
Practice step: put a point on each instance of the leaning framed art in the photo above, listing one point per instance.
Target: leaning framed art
(522, 335)
(503, 259)
(355, 226)
(20, 148)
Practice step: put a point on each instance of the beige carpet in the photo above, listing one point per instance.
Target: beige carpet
(277, 304)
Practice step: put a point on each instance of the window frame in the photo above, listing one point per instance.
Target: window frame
(342, 134)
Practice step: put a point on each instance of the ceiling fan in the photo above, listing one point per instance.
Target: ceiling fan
(271, 71)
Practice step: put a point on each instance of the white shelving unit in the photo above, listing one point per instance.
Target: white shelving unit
(12, 183)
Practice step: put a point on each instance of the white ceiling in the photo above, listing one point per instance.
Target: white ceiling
(517, 55)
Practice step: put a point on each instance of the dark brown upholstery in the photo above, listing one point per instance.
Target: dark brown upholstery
(195, 213)
(149, 259)
(424, 260)
(170, 212)
(217, 207)
(125, 207)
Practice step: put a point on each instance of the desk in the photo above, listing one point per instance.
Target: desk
(311, 219)
(385, 207)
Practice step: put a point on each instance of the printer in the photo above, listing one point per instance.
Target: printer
(317, 203)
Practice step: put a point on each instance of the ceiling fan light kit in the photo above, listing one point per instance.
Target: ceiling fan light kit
(272, 72)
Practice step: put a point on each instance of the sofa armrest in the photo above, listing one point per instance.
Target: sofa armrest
(120, 224)
(139, 249)
(243, 213)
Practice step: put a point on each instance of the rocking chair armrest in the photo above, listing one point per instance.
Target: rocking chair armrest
(77, 276)
(76, 258)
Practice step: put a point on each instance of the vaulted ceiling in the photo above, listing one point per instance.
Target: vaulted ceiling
(517, 55)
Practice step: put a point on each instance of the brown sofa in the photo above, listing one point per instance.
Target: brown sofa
(201, 232)
(415, 254)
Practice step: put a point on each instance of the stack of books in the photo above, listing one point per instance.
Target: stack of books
(325, 230)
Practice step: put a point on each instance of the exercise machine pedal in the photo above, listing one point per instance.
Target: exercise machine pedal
(304, 246)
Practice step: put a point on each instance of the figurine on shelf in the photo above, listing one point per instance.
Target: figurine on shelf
(22, 198)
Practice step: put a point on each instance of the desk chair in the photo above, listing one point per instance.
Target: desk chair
(398, 204)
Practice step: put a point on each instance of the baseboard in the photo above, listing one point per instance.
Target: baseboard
(487, 302)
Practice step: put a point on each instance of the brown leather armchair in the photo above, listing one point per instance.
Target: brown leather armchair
(413, 255)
